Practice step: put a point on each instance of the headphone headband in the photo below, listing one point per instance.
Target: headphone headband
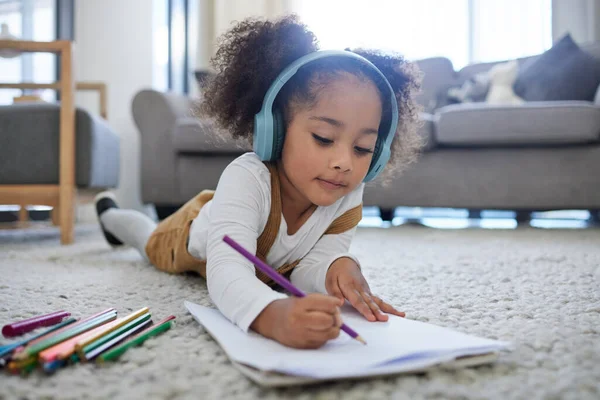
(269, 129)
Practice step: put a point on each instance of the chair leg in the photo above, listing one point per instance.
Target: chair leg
(23, 214)
(66, 214)
(54, 214)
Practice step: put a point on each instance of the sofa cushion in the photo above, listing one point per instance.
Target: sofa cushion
(29, 149)
(537, 123)
(191, 135)
(564, 72)
(426, 131)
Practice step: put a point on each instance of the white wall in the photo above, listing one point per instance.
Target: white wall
(114, 45)
(217, 16)
(579, 17)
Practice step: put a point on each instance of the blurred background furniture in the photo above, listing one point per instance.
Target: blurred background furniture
(49, 151)
(535, 156)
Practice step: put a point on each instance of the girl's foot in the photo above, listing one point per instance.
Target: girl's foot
(105, 201)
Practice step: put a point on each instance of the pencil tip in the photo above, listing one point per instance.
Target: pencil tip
(363, 341)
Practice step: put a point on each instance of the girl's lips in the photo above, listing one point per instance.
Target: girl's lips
(330, 185)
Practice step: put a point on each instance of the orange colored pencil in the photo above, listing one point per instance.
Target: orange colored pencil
(65, 349)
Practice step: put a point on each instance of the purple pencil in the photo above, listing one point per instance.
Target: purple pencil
(27, 325)
(281, 280)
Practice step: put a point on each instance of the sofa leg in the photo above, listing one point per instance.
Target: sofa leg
(386, 214)
(523, 217)
(474, 214)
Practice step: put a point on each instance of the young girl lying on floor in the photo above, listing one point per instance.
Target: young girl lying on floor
(319, 131)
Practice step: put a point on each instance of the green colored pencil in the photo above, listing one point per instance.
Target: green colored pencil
(116, 341)
(117, 332)
(136, 341)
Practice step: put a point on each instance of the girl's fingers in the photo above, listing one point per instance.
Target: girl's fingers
(374, 307)
(385, 307)
(358, 302)
(321, 302)
(320, 321)
(337, 292)
(321, 337)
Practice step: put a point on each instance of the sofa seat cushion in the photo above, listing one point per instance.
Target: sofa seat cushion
(535, 123)
(191, 135)
(29, 149)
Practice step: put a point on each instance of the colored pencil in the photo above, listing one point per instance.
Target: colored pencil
(66, 348)
(157, 329)
(281, 280)
(29, 324)
(53, 340)
(66, 328)
(110, 328)
(6, 349)
(83, 350)
(130, 331)
(52, 366)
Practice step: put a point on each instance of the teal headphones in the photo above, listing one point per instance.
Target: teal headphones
(269, 126)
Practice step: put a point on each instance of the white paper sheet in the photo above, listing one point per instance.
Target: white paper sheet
(392, 345)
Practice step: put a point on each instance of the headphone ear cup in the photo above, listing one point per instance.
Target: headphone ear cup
(377, 150)
(278, 134)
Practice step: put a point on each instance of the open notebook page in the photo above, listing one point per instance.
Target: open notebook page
(389, 344)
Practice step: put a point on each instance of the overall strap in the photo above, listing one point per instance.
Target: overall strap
(346, 221)
(269, 234)
(341, 224)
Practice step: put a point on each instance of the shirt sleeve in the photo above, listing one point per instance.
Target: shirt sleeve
(309, 275)
(237, 206)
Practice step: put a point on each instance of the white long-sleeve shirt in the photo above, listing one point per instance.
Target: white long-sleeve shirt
(240, 208)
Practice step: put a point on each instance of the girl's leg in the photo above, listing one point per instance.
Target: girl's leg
(120, 227)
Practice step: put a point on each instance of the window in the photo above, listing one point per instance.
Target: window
(29, 20)
(465, 31)
(174, 24)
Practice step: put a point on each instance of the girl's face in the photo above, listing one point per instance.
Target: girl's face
(328, 148)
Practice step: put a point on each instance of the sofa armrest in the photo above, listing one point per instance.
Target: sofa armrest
(597, 97)
(155, 114)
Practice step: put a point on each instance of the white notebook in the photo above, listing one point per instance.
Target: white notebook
(399, 345)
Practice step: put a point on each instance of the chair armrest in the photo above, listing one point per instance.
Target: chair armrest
(155, 114)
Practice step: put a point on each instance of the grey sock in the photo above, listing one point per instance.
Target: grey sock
(131, 227)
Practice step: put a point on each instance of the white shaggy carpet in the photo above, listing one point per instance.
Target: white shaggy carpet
(539, 289)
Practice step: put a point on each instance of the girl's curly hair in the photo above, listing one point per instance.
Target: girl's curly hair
(253, 53)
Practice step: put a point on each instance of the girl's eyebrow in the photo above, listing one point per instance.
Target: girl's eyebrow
(340, 124)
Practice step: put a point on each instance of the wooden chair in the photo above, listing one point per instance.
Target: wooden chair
(61, 197)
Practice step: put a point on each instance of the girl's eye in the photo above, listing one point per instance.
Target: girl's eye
(322, 140)
(362, 150)
(325, 142)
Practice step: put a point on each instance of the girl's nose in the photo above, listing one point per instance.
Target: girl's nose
(342, 160)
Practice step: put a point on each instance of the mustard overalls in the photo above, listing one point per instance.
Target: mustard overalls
(167, 247)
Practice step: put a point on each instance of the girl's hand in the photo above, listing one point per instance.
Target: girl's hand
(305, 323)
(345, 281)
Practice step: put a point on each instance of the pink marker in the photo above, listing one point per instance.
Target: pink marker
(27, 325)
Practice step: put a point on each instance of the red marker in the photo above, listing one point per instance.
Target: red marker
(27, 325)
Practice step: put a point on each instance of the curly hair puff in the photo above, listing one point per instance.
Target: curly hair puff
(253, 53)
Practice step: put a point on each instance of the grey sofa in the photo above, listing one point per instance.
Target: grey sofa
(531, 157)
